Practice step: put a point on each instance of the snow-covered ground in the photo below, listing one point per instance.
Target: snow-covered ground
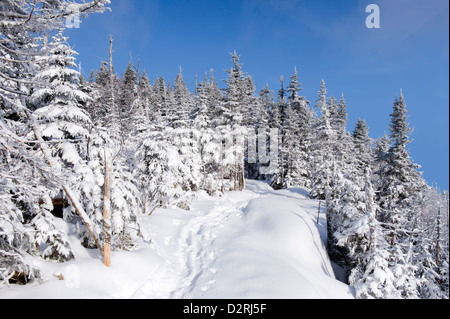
(256, 244)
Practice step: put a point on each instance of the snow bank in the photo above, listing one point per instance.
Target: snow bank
(274, 250)
(257, 244)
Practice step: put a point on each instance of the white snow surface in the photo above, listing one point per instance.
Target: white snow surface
(255, 244)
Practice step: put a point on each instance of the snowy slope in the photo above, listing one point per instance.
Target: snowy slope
(258, 244)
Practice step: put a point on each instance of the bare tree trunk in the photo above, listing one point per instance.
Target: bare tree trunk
(235, 173)
(106, 212)
(221, 180)
(241, 179)
(144, 209)
(318, 213)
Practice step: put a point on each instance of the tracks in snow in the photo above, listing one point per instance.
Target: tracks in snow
(196, 244)
(188, 252)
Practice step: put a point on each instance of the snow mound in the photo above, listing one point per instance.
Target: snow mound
(273, 251)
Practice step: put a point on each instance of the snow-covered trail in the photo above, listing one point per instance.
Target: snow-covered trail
(189, 246)
(255, 244)
(247, 244)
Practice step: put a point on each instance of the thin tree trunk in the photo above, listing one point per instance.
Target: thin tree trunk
(235, 173)
(241, 179)
(221, 180)
(318, 213)
(106, 212)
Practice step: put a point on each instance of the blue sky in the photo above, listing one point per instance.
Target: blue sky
(323, 38)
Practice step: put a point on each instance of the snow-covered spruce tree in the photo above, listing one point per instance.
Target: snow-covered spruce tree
(161, 174)
(341, 119)
(343, 144)
(230, 127)
(346, 198)
(231, 107)
(274, 115)
(101, 94)
(322, 149)
(290, 126)
(362, 147)
(373, 277)
(266, 103)
(147, 98)
(278, 120)
(298, 134)
(400, 190)
(62, 122)
(262, 106)
(124, 196)
(254, 117)
(214, 93)
(360, 245)
(208, 142)
(29, 176)
(400, 181)
(128, 94)
(182, 109)
(380, 150)
(25, 179)
(162, 98)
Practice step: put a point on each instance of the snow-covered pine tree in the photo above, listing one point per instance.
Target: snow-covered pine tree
(62, 122)
(343, 143)
(322, 149)
(381, 150)
(185, 136)
(231, 108)
(22, 27)
(147, 97)
(161, 98)
(183, 107)
(19, 184)
(322, 96)
(341, 119)
(274, 115)
(208, 141)
(127, 96)
(298, 126)
(362, 146)
(260, 110)
(266, 104)
(373, 277)
(231, 129)
(400, 191)
(161, 174)
(357, 240)
(400, 183)
(279, 116)
(252, 113)
(347, 213)
(26, 224)
(201, 119)
(214, 96)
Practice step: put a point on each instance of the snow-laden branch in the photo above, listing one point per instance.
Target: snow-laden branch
(70, 194)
